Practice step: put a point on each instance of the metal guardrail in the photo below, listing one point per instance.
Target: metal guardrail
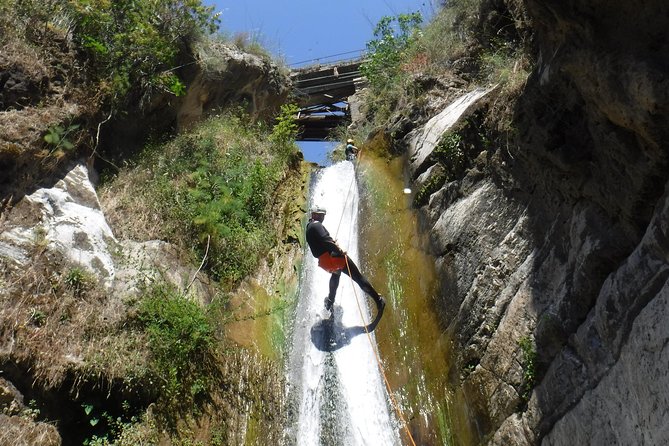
(324, 61)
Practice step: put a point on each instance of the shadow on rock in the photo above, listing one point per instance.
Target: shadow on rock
(329, 335)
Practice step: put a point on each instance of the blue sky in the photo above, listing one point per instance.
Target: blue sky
(302, 32)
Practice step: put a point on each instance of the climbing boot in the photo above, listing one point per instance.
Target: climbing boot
(380, 304)
(329, 303)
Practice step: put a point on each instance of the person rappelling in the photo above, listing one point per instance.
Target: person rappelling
(351, 150)
(334, 260)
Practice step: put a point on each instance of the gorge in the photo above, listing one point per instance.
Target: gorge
(527, 269)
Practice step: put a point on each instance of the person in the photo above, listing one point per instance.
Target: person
(335, 261)
(351, 150)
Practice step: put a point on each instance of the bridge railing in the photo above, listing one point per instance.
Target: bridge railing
(331, 60)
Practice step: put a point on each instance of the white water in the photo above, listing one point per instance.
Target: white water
(336, 385)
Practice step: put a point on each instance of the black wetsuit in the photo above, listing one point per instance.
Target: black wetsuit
(320, 242)
(319, 239)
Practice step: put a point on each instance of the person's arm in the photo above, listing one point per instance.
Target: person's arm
(328, 243)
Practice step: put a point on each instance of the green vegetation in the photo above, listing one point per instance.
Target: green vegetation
(57, 137)
(37, 317)
(211, 191)
(529, 353)
(137, 42)
(132, 45)
(285, 130)
(449, 152)
(78, 280)
(393, 35)
(125, 429)
(445, 38)
(444, 422)
(181, 341)
(432, 185)
(387, 54)
(468, 40)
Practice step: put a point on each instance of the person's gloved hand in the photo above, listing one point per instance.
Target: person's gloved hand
(337, 253)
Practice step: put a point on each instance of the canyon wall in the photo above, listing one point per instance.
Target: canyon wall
(552, 246)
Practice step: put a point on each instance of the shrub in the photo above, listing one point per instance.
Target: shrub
(78, 280)
(285, 130)
(211, 188)
(431, 186)
(445, 38)
(131, 44)
(136, 43)
(387, 50)
(450, 154)
(181, 341)
(529, 353)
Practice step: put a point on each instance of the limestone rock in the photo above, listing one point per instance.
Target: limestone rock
(225, 76)
(424, 140)
(562, 238)
(67, 218)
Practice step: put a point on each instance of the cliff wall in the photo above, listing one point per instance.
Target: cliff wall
(552, 247)
(70, 279)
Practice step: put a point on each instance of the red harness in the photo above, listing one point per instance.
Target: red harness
(331, 264)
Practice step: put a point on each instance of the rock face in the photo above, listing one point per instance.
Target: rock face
(557, 246)
(18, 426)
(228, 76)
(66, 220)
(423, 142)
(220, 77)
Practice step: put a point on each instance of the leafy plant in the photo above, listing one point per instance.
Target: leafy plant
(181, 340)
(386, 51)
(133, 42)
(172, 83)
(285, 130)
(37, 317)
(111, 430)
(529, 353)
(393, 35)
(431, 186)
(211, 191)
(77, 280)
(31, 412)
(449, 152)
(40, 239)
(56, 136)
(88, 410)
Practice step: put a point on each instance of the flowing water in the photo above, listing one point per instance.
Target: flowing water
(336, 384)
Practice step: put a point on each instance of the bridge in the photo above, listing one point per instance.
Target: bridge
(322, 93)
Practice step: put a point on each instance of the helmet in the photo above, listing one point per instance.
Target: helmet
(318, 210)
(349, 141)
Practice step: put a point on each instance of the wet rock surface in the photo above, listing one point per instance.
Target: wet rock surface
(559, 239)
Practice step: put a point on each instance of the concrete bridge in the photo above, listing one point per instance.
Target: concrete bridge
(322, 93)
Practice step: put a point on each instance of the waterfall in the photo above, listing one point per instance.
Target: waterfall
(335, 383)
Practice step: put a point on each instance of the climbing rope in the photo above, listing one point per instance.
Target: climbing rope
(362, 317)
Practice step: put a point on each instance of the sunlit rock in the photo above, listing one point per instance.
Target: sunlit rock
(67, 219)
(424, 139)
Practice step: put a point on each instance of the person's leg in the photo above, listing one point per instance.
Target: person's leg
(334, 283)
(362, 282)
